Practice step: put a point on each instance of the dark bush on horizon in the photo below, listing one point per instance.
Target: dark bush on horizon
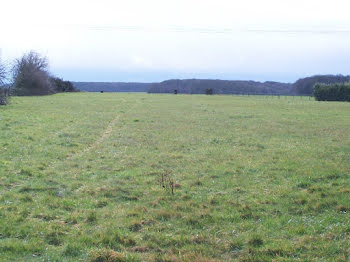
(208, 91)
(61, 86)
(332, 92)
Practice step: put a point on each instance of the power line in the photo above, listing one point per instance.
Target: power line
(203, 30)
(218, 30)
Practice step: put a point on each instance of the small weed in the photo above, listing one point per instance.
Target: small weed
(136, 226)
(343, 209)
(255, 241)
(27, 198)
(166, 181)
(166, 215)
(197, 183)
(108, 255)
(114, 239)
(301, 201)
(54, 238)
(213, 200)
(140, 249)
(102, 203)
(303, 185)
(91, 217)
(345, 190)
(71, 250)
(199, 239)
(26, 172)
(235, 246)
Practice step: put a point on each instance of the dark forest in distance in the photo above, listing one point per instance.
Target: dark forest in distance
(303, 86)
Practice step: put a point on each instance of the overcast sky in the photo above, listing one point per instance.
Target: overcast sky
(154, 40)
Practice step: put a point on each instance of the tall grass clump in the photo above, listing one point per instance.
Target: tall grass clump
(4, 96)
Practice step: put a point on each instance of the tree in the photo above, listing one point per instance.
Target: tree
(31, 76)
(208, 91)
(3, 74)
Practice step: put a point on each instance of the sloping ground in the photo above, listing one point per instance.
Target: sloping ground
(86, 177)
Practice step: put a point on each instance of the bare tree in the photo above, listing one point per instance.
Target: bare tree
(31, 76)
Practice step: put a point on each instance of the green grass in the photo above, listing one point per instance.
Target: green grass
(257, 178)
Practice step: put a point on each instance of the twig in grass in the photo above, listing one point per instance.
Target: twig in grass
(167, 182)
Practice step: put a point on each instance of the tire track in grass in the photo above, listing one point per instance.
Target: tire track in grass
(105, 135)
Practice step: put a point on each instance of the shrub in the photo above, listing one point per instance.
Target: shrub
(60, 85)
(208, 91)
(31, 76)
(332, 92)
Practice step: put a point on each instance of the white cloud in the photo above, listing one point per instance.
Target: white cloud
(182, 36)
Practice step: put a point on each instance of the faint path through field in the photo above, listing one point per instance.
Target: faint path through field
(105, 135)
(98, 141)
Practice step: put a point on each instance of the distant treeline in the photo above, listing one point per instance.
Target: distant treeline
(332, 92)
(304, 86)
(112, 86)
(201, 86)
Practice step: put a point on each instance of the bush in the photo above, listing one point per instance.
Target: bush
(62, 86)
(31, 76)
(208, 91)
(332, 92)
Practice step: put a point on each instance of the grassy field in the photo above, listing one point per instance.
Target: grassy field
(88, 177)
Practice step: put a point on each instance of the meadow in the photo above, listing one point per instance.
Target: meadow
(141, 177)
